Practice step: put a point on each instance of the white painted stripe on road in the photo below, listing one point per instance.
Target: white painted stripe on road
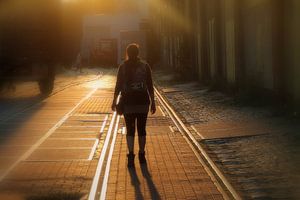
(163, 113)
(93, 149)
(104, 124)
(95, 183)
(199, 134)
(50, 132)
(124, 130)
(171, 128)
(111, 150)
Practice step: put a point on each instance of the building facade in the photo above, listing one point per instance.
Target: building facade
(118, 28)
(236, 44)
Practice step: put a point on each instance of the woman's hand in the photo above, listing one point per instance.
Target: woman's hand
(113, 106)
(153, 108)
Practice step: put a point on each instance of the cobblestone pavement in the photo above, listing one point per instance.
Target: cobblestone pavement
(53, 150)
(256, 148)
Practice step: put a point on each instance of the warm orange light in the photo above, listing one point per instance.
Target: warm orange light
(170, 13)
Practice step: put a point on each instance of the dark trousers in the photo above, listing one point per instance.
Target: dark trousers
(138, 120)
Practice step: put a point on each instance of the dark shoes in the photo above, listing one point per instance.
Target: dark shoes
(130, 162)
(130, 157)
(142, 158)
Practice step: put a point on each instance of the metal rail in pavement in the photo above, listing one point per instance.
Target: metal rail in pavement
(203, 157)
(99, 186)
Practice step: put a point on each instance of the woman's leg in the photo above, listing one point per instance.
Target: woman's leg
(130, 127)
(141, 127)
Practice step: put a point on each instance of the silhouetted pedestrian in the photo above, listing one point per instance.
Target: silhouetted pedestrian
(134, 81)
(78, 63)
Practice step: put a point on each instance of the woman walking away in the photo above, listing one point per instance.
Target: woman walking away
(134, 81)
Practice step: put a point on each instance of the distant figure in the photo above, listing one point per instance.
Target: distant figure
(78, 63)
(134, 81)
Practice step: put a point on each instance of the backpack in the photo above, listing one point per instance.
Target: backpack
(136, 80)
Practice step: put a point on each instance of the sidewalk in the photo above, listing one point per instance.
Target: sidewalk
(172, 172)
(254, 145)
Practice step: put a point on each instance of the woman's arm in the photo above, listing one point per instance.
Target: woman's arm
(118, 86)
(150, 88)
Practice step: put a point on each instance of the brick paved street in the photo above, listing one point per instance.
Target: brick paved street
(53, 150)
(172, 172)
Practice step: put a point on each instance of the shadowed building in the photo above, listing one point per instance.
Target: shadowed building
(107, 35)
(237, 45)
(114, 30)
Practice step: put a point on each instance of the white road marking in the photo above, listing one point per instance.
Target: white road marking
(104, 124)
(172, 130)
(199, 134)
(50, 132)
(93, 149)
(163, 113)
(95, 183)
(107, 169)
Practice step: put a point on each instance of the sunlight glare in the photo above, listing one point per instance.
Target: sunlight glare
(171, 14)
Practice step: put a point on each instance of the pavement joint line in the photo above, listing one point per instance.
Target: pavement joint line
(57, 160)
(94, 149)
(87, 115)
(82, 132)
(96, 113)
(87, 120)
(199, 134)
(182, 128)
(72, 138)
(104, 124)
(50, 132)
(48, 161)
(63, 148)
(93, 190)
(109, 159)
(82, 126)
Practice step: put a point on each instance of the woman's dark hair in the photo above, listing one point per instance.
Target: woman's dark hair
(132, 51)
